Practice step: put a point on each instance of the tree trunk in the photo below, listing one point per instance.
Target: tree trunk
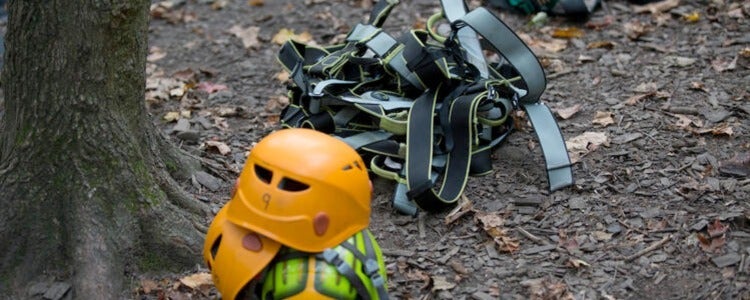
(85, 185)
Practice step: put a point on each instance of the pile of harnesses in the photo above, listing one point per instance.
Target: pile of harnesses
(425, 109)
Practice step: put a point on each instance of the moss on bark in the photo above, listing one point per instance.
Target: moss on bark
(83, 177)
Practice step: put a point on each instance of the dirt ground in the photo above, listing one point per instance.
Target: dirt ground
(653, 100)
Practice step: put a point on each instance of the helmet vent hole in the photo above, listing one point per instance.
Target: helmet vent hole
(292, 185)
(350, 167)
(264, 174)
(215, 247)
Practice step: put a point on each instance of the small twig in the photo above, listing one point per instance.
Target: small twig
(396, 252)
(561, 73)
(420, 225)
(530, 236)
(465, 206)
(648, 249)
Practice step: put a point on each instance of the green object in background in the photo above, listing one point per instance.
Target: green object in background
(531, 6)
(569, 8)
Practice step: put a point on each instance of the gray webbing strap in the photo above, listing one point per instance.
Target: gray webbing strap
(369, 262)
(386, 47)
(365, 138)
(454, 10)
(510, 46)
(559, 172)
(332, 257)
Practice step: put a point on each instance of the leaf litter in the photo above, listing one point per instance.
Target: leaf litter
(652, 161)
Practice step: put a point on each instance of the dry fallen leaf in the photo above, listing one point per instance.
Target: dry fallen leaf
(569, 243)
(147, 286)
(567, 33)
(601, 235)
(276, 103)
(600, 23)
(603, 118)
(171, 116)
(417, 275)
(708, 244)
(687, 122)
(542, 47)
(601, 44)
(716, 229)
(286, 34)
(440, 283)
(255, 2)
(698, 86)
(227, 111)
(721, 129)
(656, 7)
(635, 29)
(211, 87)
(692, 17)
(681, 61)
(722, 64)
(547, 289)
(248, 36)
(568, 112)
(464, 206)
(219, 4)
(492, 224)
(221, 147)
(736, 13)
(577, 263)
(197, 280)
(282, 76)
(646, 87)
(155, 53)
(581, 145)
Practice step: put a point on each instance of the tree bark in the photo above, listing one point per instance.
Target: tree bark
(85, 190)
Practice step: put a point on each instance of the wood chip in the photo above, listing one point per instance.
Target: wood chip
(57, 291)
(538, 249)
(726, 260)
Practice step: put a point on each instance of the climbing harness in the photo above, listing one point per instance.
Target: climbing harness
(424, 109)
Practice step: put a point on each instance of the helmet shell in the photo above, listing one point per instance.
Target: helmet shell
(235, 255)
(297, 275)
(304, 189)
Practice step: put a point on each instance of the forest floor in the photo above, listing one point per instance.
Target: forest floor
(653, 100)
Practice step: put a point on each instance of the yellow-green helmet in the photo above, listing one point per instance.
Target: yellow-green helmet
(352, 270)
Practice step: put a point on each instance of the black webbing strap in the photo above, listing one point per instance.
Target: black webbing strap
(420, 151)
(424, 63)
(400, 88)
(380, 11)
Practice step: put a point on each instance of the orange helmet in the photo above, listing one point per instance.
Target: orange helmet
(304, 189)
(235, 255)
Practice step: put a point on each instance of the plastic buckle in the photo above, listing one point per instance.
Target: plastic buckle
(371, 269)
(332, 257)
(514, 101)
(491, 93)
